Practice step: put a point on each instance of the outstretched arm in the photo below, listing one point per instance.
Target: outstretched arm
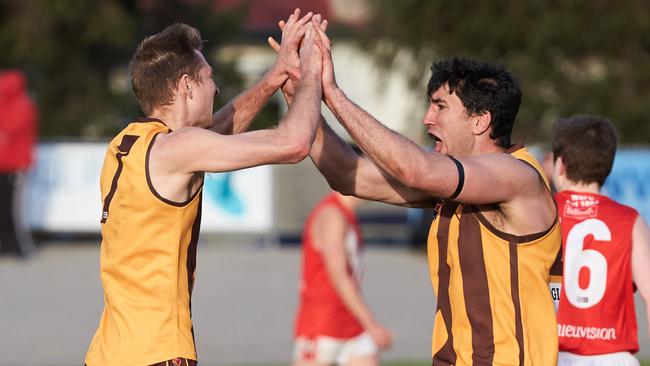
(344, 169)
(190, 150)
(351, 174)
(429, 172)
(236, 116)
(329, 234)
(641, 262)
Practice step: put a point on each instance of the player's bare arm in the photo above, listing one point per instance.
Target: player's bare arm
(344, 170)
(641, 262)
(177, 157)
(487, 179)
(329, 239)
(351, 174)
(436, 175)
(236, 116)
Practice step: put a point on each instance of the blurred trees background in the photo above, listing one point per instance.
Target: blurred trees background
(571, 56)
(76, 52)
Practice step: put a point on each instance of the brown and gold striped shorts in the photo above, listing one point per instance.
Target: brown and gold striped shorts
(177, 362)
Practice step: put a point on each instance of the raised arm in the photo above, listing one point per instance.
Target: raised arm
(236, 116)
(351, 174)
(419, 170)
(329, 239)
(190, 150)
(344, 169)
(641, 262)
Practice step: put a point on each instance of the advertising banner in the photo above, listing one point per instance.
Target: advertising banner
(63, 193)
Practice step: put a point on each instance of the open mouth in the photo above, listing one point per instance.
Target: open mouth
(437, 141)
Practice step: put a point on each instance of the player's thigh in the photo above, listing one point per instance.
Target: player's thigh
(359, 351)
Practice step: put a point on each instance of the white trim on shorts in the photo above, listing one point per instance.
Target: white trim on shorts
(329, 350)
(607, 359)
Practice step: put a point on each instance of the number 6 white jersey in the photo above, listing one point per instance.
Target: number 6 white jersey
(596, 310)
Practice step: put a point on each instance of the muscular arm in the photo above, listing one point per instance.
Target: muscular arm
(641, 262)
(196, 150)
(236, 116)
(429, 172)
(177, 156)
(329, 237)
(352, 174)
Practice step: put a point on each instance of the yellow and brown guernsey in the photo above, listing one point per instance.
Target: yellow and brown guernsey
(147, 261)
(494, 305)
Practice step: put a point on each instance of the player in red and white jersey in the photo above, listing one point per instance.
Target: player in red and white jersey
(334, 325)
(606, 249)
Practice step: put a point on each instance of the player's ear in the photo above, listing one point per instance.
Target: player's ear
(183, 86)
(481, 122)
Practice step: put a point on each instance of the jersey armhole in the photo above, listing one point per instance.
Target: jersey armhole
(153, 190)
(547, 185)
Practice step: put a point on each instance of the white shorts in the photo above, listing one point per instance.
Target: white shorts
(618, 359)
(328, 350)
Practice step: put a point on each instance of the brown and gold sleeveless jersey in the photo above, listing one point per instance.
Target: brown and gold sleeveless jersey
(494, 305)
(148, 256)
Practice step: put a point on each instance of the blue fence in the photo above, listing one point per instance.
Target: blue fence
(629, 182)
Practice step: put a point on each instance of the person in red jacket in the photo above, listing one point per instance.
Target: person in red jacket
(18, 119)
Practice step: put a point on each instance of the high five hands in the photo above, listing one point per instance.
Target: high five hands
(297, 43)
(293, 31)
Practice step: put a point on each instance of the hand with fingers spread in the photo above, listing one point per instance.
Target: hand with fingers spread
(293, 31)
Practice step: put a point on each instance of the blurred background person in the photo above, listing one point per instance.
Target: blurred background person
(606, 249)
(334, 326)
(18, 123)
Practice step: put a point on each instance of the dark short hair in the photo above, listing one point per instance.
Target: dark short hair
(160, 61)
(481, 87)
(587, 146)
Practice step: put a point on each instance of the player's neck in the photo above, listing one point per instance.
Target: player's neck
(173, 116)
(583, 187)
(486, 145)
